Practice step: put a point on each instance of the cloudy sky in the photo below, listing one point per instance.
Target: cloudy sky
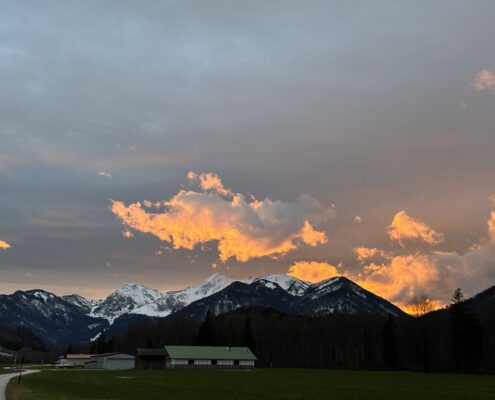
(159, 142)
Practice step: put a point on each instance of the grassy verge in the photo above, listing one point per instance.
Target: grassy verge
(261, 384)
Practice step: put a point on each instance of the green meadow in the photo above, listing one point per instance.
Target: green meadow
(260, 384)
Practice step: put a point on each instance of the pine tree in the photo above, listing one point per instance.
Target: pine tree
(248, 335)
(205, 333)
(466, 335)
(101, 344)
(69, 350)
(390, 352)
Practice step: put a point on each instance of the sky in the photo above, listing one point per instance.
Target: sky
(159, 142)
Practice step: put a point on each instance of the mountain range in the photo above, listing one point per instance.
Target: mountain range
(59, 320)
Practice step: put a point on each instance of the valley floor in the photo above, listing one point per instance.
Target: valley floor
(260, 384)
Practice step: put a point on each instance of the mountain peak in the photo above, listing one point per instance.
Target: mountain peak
(292, 285)
(37, 293)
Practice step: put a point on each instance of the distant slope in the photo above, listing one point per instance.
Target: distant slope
(341, 295)
(54, 320)
(237, 295)
(336, 295)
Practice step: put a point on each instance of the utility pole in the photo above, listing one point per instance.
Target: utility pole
(20, 371)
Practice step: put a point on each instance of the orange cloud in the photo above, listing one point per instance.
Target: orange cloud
(491, 226)
(364, 253)
(485, 80)
(405, 227)
(4, 245)
(312, 271)
(209, 181)
(244, 229)
(127, 234)
(434, 274)
(402, 278)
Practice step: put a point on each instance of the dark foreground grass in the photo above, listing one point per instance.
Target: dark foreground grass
(260, 384)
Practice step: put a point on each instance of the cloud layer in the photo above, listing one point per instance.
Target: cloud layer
(243, 228)
(405, 227)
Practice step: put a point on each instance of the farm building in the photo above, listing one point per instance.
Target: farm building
(73, 360)
(111, 361)
(209, 357)
(151, 358)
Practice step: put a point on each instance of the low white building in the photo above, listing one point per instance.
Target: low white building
(209, 357)
(73, 360)
(110, 361)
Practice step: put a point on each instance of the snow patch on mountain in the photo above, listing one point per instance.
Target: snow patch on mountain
(124, 300)
(173, 301)
(85, 305)
(293, 286)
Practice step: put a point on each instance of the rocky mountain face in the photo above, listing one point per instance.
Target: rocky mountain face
(60, 320)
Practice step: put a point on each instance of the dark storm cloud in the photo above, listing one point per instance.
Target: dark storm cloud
(367, 105)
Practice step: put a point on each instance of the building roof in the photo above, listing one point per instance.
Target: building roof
(160, 352)
(78, 356)
(113, 355)
(210, 353)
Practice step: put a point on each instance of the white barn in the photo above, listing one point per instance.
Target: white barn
(209, 357)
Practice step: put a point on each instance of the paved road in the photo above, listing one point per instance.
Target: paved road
(5, 378)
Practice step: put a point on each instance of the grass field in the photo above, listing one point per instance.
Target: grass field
(259, 384)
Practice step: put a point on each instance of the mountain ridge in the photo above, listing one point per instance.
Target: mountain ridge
(59, 320)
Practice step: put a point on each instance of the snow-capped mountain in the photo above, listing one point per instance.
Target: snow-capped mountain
(123, 301)
(336, 295)
(294, 286)
(53, 319)
(239, 294)
(59, 320)
(341, 295)
(173, 301)
(85, 305)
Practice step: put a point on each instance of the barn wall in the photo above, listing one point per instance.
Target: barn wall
(119, 363)
(179, 363)
(246, 363)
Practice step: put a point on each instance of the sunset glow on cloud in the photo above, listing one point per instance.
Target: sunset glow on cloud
(491, 226)
(364, 253)
(405, 227)
(400, 278)
(4, 245)
(244, 229)
(209, 181)
(312, 271)
(485, 80)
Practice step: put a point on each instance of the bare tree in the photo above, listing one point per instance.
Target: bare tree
(421, 305)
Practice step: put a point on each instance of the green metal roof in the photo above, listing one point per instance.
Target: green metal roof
(210, 353)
